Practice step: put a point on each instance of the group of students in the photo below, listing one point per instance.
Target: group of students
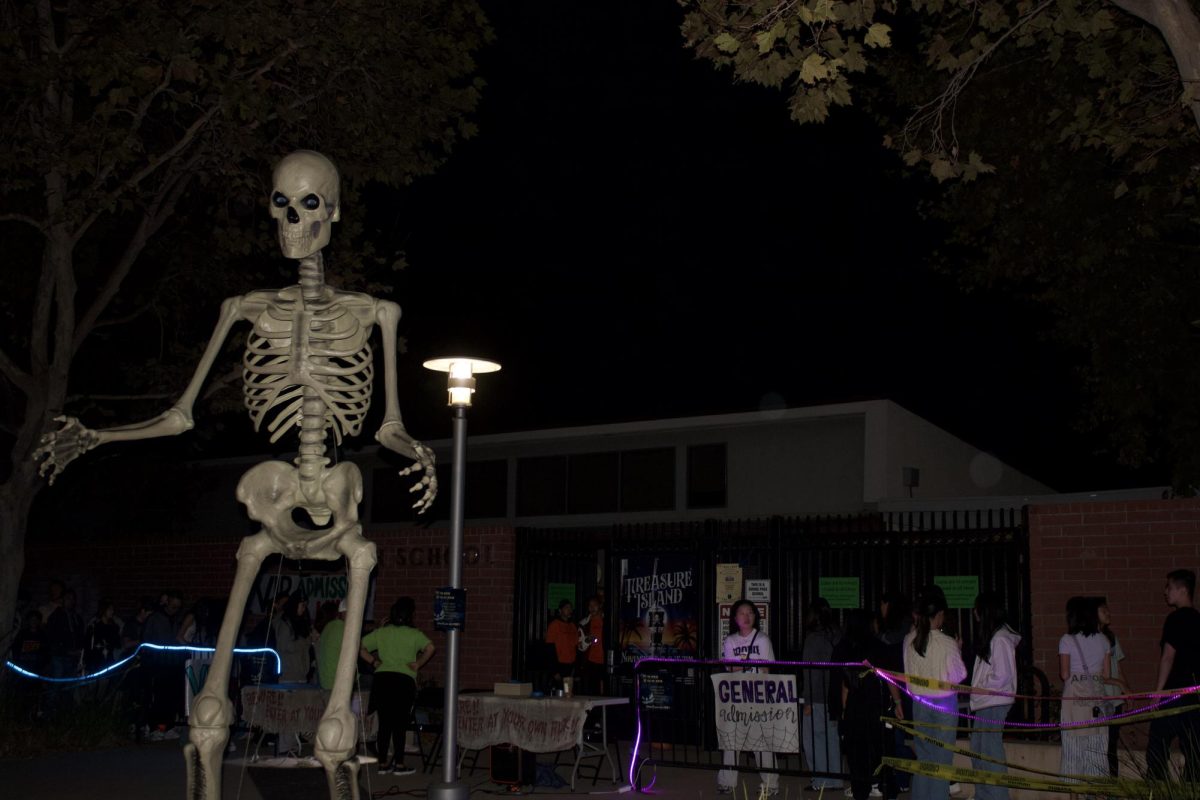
(844, 707)
(395, 651)
(578, 646)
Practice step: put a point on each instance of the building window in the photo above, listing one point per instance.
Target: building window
(648, 480)
(487, 489)
(541, 486)
(593, 483)
(706, 476)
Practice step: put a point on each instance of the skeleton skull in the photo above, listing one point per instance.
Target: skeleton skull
(304, 202)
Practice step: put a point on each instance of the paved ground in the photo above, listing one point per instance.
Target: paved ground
(154, 771)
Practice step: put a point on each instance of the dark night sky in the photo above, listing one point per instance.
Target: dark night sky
(633, 236)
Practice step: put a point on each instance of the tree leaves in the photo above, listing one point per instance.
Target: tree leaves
(878, 35)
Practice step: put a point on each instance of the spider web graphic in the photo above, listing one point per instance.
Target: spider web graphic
(743, 724)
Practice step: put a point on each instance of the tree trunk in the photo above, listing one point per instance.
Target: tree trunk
(1179, 25)
(16, 498)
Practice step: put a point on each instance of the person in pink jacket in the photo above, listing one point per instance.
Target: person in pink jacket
(995, 670)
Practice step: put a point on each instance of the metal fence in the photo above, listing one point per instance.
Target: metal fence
(895, 552)
(675, 723)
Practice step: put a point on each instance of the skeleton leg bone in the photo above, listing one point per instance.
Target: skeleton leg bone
(212, 712)
(338, 731)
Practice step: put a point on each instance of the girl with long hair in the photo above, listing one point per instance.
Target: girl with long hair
(1083, 665)
(995, 670)
(292, 630)
(929, 653)
(746, 642)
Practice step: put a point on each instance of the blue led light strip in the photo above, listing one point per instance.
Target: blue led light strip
(130, 657)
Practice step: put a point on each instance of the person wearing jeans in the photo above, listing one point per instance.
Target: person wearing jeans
(929, 653)
(818, 731)
(995, 671)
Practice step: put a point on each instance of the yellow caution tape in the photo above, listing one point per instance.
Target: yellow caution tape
(979, 756)
(1095, 785)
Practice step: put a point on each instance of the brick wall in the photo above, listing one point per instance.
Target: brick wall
(411, 562)
(1120, 550)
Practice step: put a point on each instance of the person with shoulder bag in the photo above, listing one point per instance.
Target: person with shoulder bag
(1083, 659)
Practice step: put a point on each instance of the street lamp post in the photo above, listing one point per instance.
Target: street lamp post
(461, 385)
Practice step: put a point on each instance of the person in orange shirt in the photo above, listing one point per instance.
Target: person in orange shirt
(591, 643)
(564, 635)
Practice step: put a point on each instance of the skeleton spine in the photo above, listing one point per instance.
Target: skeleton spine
(312, 411)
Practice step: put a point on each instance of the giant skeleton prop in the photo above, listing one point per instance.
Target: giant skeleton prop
(307, 365)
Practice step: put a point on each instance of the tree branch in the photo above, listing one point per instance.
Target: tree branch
(215, 385)
(158, 161)
(25, 218)
(112, 397)
(139, 117)
(1144, 9)
(19, 377)
(162, 207)
(932, 113)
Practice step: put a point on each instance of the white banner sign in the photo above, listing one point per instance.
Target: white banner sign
(540, 725)
(757, 712)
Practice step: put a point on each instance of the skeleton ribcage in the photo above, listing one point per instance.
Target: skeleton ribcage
(326, 351)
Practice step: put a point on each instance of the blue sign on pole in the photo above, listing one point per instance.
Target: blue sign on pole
(449, 609)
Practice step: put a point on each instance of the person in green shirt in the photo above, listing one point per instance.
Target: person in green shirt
(329, 647)
(397, 651)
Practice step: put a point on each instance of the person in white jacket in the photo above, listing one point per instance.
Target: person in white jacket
(996, 671)
(929, 653)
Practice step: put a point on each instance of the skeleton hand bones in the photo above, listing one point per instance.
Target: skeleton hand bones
(59, 448)
(393, 436)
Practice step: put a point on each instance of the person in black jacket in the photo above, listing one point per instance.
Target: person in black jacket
(860, 698)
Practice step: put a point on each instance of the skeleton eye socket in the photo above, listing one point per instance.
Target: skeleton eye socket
(279, 201)
(311, 202)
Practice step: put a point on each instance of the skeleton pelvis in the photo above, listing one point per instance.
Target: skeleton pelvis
(273, 495)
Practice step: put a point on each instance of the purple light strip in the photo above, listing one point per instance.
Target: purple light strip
(637, 739)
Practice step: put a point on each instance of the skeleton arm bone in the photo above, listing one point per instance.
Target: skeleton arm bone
(59, 448)
(391, 433)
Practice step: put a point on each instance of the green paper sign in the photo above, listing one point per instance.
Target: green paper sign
(557, 592)
(840, 592)
(961, 590)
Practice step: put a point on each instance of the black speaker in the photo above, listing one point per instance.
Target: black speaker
(512, 765)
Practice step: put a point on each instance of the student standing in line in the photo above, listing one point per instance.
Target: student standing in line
(746, 643)
(1178, 668)
(995, 670)
(818, 726)
(929, 653)
(564, 635)
(1083, 665)
(1116, 685)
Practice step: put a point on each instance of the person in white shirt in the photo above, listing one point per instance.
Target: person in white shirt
(746, 643)
(929, 653)
(996, 671)
(1083, 665)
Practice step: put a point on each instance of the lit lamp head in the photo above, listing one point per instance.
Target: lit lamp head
(461, 372)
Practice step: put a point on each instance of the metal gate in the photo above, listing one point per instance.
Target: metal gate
(888, 552)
